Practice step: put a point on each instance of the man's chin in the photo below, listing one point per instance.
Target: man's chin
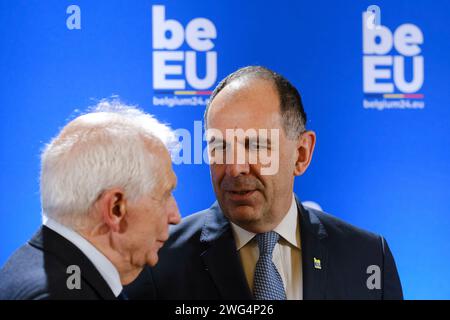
(243, 214)
(153, 259)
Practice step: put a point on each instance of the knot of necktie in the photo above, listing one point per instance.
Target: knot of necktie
(266, 242)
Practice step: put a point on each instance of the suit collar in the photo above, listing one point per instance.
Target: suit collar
(51, 242)
(310, 222)
(215, 224)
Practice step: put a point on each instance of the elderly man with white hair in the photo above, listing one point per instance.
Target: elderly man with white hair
(106, 191)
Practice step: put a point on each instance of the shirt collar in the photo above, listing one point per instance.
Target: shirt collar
(287, 229)
(105, 267)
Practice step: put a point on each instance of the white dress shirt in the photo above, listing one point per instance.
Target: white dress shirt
(286, 254)
(105, 267)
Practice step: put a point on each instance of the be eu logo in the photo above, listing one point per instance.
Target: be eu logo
(184, 59)
(393, 65)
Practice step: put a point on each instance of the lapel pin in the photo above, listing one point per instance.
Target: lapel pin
(317, 263)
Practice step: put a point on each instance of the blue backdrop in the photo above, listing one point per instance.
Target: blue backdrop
(385, 169)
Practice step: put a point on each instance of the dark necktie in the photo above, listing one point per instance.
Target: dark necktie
(122, 296)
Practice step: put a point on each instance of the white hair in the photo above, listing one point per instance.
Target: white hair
(108, 147)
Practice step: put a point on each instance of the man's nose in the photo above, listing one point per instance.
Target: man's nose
(174, 213)
(237, 161)
(234, 169)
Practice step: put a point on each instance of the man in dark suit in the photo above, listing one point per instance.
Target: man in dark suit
(106, 192)
(258, 241)
(41, 270)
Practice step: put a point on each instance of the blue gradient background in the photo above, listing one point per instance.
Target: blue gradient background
(385, 171)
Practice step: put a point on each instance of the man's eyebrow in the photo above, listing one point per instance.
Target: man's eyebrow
(169, 186)
(214, 139)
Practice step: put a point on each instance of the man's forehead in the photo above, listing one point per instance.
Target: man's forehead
(246, 121)
(246, 104)
(247, 88)
(159, 153)
(166, 177)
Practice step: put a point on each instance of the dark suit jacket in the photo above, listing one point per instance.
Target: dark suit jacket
(38, 270)
(200, 261)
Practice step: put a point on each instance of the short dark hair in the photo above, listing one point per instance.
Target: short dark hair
(292, 113)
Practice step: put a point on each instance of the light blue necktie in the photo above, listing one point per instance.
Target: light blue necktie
(267, 283)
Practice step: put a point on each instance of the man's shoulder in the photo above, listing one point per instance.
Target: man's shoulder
(34, 273)
(190, 228)
(349, 247)
(194, 221)
(337, 228)
(23, 276)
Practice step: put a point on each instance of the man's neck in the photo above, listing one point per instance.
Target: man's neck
(121, 261)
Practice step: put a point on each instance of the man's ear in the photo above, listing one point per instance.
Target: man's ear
(305, 149)
(113, 207)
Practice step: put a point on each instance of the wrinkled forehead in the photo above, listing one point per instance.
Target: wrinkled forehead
(246, 104)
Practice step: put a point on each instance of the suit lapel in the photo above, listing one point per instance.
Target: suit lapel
(221, 258)
(314, 254)
(51, 242)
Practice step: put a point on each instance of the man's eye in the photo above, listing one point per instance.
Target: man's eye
(257, 146)
(167, 197)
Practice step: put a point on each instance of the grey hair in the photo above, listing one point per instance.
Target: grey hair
(291, 106)
(110, 146)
